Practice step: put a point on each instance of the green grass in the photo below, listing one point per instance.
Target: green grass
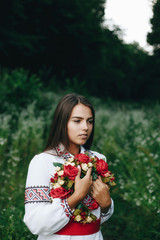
(129, 136)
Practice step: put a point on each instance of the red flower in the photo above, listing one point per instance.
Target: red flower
(94, 205)
(83, 158)
(112, 179)
(102, 167)
(52, 179)
(83, 215)
(70, 172)
(59, 192)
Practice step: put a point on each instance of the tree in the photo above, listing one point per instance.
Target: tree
(153, 37)
(66, 39)
(45, 32)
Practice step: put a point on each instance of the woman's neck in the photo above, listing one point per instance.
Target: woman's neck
(74, 149)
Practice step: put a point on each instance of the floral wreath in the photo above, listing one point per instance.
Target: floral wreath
(62, 183)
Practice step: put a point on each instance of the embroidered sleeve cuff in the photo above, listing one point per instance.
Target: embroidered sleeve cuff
(67, 210)
(110, 210)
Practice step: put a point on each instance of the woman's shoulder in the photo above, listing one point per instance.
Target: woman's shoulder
(43, 158)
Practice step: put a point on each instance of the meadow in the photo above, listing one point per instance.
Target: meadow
(128, 134)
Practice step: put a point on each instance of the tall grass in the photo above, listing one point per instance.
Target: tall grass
(130, 138)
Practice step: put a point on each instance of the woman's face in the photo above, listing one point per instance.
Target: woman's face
(79, 125)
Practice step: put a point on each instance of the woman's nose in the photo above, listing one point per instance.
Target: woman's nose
(85, 125)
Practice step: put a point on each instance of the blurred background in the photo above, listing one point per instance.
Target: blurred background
(52, 47)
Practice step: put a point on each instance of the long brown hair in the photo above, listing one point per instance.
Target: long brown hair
(58, 133)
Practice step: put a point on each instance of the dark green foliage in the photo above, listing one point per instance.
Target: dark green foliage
(18, 88)
(57, 33)
(131, 222)
(66, 44)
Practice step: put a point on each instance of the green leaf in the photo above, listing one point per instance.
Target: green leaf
(94, 170)
(70, 184)
(82, 175)
(94, 176)
(93, 217)
(79, 206)
(77, 212)
(56, 164)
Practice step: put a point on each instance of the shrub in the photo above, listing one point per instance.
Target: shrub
(18, 88)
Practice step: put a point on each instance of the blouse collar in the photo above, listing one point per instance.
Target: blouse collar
(61, 151)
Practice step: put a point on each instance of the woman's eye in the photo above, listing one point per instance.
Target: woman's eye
(90, 121)
(76, 121)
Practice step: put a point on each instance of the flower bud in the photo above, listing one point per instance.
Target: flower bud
(60, 173)
(78, 218)
(56, 185)
(84, 166)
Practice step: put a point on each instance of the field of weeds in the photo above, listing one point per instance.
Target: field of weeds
(127, 134)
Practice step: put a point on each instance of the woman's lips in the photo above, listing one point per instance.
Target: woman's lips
(83, 135)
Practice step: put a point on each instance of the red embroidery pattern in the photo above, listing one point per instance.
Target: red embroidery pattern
(87, 200)
(65, 154)
(37, 194)
(90, 202)
(66, 208)
(60, 152)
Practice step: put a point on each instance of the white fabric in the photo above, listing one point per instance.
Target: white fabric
(45, 218)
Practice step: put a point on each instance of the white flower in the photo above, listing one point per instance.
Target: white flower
(71, 159)
(84, 166)
(3, 141)
(60, 173)
(89, 219)
(57, 169)
(56, 185)
(78, 218)
(60, 181)
(70, 163)
(90, 164)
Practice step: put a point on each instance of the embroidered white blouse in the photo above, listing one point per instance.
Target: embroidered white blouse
(44, 218)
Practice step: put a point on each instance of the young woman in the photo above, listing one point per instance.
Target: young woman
(71, 133)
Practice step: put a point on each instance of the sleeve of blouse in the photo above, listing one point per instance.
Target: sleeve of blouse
(107, 215)
(41, 216)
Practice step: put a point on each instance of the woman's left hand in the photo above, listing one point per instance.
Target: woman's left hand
(100, 192)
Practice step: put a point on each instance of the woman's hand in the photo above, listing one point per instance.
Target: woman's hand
(82, 185)
(100, 192)
(81, 188)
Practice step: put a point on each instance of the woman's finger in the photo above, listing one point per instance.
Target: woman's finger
(79, 172)
(99, 177)
(89, 171)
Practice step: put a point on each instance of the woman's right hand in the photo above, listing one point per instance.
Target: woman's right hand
(81, 188)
